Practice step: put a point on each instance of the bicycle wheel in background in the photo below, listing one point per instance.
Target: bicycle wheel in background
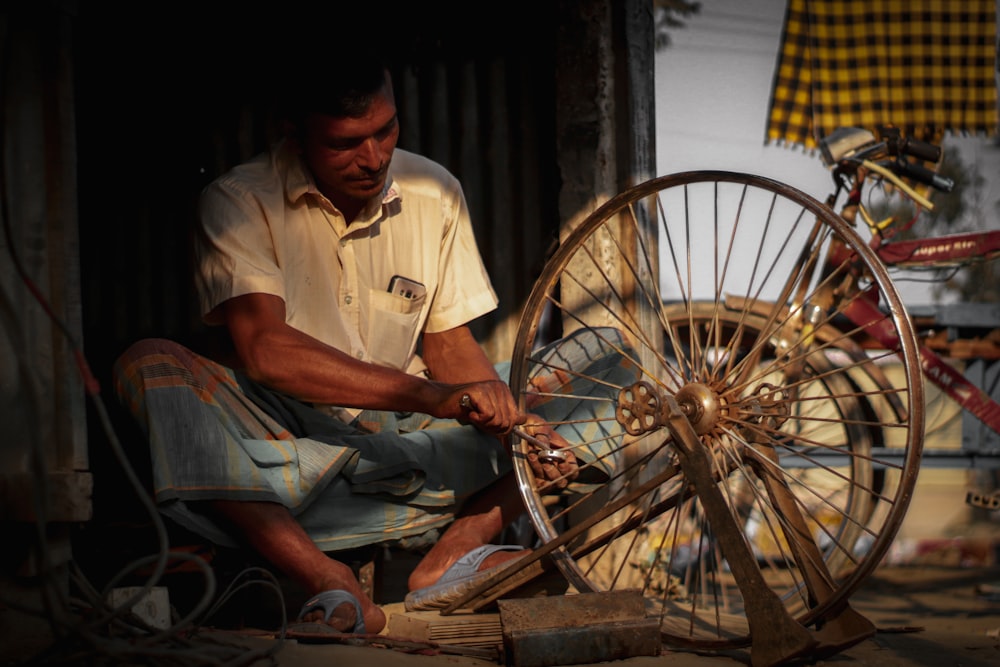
(718, 299)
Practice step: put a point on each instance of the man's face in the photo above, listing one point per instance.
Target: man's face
(349, 157)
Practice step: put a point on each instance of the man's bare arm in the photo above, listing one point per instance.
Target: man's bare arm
(455, 357)
(289, 361)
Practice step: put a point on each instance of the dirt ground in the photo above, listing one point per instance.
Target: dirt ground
(943, 610)
(935, 602)
(925, 615)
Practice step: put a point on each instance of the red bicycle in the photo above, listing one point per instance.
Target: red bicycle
(856, 155)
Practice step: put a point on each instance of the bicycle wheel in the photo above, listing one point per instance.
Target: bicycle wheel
(687, 340)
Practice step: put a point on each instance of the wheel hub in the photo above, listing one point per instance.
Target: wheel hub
(641, 409)
(701, 405)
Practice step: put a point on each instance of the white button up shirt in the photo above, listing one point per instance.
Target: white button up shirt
(266, 228)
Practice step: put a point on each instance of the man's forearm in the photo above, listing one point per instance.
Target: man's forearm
(300, 366)
(455, 356)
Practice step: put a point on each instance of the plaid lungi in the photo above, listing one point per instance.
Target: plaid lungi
(214, 434)
(924, 66)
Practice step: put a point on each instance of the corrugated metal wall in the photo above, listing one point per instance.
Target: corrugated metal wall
(41, 404)
(164, 113)
(489, 121)
(114, 122)
(165, 108)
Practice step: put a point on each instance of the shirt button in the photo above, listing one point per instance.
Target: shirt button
(359, 354)
(343, 243)
(348, 299)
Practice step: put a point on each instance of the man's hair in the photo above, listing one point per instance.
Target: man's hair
(331, 84)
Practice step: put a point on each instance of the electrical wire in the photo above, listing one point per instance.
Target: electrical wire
(87, 629)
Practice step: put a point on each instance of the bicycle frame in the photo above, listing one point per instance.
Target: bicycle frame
(864, 312)
(940, 251)
(972, 399)
(931, 252)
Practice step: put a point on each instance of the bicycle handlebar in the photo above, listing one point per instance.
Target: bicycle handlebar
(900, 145)
(920, 173)
(848, 148)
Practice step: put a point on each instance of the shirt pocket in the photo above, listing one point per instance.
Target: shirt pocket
(392, 328)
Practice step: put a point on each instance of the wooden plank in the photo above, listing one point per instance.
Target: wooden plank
(459, 629)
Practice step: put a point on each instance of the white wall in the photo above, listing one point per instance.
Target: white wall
(713, 91)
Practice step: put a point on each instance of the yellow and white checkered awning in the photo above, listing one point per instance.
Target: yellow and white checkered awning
(924, 66)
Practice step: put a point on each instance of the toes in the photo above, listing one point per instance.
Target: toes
(342, 619)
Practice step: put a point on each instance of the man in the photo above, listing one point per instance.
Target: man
(329, 260)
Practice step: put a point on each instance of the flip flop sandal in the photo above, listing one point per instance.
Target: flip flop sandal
(461, 577)
(330, 600)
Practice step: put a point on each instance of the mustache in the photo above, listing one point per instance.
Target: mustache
(370, 174)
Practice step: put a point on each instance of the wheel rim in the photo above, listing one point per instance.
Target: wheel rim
(732, 238)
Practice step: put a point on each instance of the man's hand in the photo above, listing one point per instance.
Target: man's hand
(454, 357)
(553, 472)
(489, 406)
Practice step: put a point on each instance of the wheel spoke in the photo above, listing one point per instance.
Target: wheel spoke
(735, 315)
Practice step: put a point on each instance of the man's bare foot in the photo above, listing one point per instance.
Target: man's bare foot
(270, 529)
(462, 536)
(338, 576)
(343, 618)
(437, 561)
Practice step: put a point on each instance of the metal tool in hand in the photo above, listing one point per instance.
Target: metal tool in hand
(545, 453)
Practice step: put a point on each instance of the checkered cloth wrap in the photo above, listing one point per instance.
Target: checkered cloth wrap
(924, 66)
(388, 478)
